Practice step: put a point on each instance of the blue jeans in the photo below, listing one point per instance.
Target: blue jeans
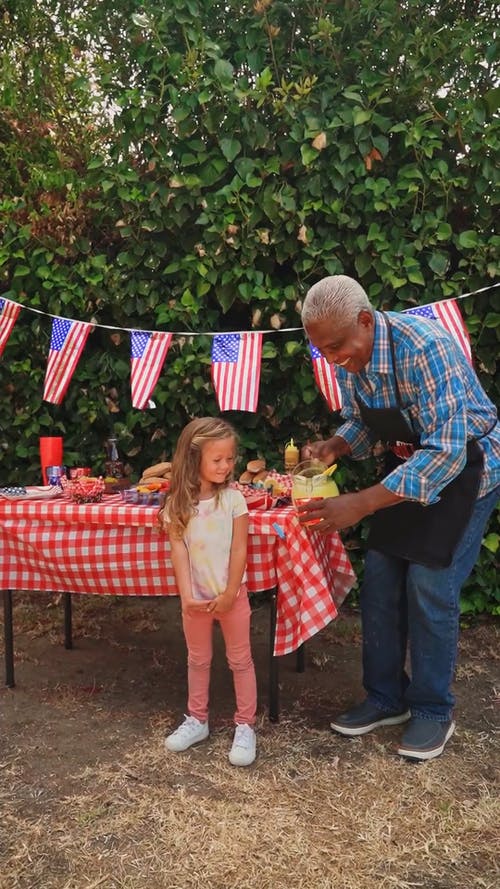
(402, 601)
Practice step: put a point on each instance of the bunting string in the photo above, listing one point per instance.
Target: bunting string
(212, 333)
(236, 355)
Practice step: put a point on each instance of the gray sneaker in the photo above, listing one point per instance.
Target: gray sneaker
(365, 717)
(425, 738)
(190, 732)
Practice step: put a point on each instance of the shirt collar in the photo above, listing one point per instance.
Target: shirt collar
(380, 359)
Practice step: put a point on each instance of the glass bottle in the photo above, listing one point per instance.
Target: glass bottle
(113, 466)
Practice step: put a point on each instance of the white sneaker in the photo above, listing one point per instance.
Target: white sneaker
(244, 747)
(190, 732)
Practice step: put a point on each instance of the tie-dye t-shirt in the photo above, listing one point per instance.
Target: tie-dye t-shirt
(208, 539)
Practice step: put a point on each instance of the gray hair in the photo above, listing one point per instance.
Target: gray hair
(336, 297)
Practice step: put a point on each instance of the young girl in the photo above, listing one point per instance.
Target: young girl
(207, 522)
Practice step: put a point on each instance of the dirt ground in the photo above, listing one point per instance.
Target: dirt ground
(89, 797)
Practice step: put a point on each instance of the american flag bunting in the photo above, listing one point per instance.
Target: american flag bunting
(147, 355)
(9, 312)
(450, 316)
(236, 361)
(324, 374)
(66, 345)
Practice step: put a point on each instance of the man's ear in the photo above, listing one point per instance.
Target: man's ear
(365, 318)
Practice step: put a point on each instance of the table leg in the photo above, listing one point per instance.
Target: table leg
(9, 639)
(273, 664)
(68, 628)
(301, 659)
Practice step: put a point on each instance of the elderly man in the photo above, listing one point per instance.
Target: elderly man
(406, 383)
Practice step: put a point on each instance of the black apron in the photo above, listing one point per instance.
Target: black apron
(427, 535)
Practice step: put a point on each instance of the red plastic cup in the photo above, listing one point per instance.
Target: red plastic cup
(51, 453)
(299, 501)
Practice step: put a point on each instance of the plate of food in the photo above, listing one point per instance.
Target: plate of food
(30, 492)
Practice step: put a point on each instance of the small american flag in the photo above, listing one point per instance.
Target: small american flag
(8, 317)
(448, 313)
(147, 354)
(66, 345)
(324, 374)
(236, 360)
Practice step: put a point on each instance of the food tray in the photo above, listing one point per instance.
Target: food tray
(137, 496)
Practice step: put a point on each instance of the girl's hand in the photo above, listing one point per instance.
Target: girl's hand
(222, 604)
(189, 604)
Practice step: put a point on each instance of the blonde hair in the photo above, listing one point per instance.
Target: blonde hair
(184, 494)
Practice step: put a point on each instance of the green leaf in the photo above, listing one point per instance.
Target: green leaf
(468, 239)
(492, 542)
(373, 232)
(269, 349)
(492, 319)
(444, 231)
(360, 116)
(351, 94)
(224, 71)
(293, 348)
(308, 154)
(416, 277)
(363, 263)
(397, 282)
(382, 143)
(244, 166)
(230, 148)
(439, 263)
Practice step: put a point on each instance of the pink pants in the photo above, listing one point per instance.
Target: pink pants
(235, 626)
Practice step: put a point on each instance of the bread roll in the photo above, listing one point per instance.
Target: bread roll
(246, 478)
(256, 465)
(152, 480)
(260, 476)
(157, 470)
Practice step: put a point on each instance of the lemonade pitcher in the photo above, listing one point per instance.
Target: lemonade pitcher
(309, 482)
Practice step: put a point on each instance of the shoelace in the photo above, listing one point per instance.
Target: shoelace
(188, 727)
(243, 736)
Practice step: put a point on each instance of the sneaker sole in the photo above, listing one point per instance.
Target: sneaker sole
(355, 731)
(242, 765)
(422, 755)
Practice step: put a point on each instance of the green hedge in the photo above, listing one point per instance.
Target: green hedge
(197, 168)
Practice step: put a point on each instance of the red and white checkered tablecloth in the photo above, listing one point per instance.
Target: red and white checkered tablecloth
(113, 548)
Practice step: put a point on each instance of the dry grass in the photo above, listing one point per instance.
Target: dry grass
(304, 816)
(314, 812)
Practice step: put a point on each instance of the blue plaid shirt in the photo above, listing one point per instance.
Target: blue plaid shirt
(443, 402)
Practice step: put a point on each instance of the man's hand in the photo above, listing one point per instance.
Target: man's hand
(335, 513)
(328, 451)
(332, 513)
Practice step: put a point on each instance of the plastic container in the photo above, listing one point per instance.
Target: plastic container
(309, 483)
(291, 456)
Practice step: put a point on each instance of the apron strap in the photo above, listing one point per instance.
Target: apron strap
(393, 360)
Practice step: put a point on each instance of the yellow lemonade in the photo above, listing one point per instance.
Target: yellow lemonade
(310, 483)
